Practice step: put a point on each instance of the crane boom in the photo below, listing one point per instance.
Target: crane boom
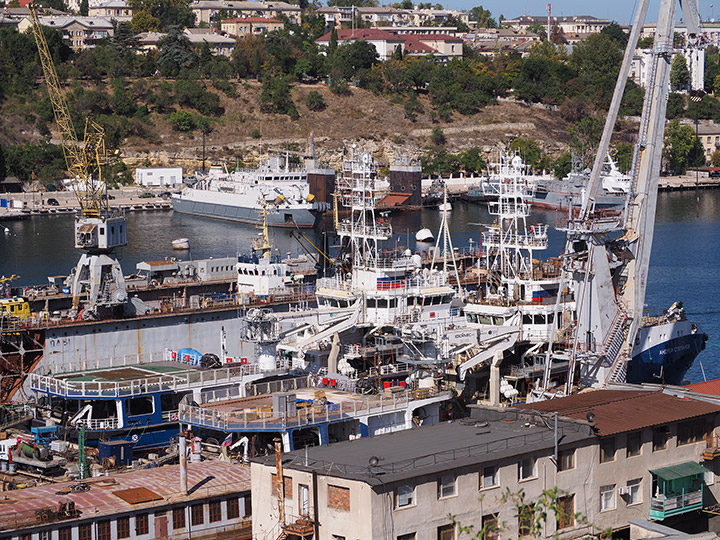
(97, 231)
(81, 158)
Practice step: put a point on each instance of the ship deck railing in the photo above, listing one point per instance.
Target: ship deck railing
(68, 388)
(321, 411)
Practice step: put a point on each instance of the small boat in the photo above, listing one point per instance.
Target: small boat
(181, 243)
(445, 207)
(424, 235)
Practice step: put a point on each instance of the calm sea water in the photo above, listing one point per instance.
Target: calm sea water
(685, 262)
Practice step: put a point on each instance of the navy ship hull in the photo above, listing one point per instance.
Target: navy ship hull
(657, 359)
(293, 216)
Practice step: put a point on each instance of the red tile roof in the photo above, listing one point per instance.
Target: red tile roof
(367, 34)
(414, 44)
(252, 20)
(707, 387)
(204, 480)
(439, 37)
(618, 411)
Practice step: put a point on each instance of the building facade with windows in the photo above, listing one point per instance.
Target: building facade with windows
(611, 468)
(137, 505)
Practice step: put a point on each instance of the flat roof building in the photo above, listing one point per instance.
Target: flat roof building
(624, 462)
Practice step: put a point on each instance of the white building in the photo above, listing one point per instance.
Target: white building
(168, 177)
(694, 57)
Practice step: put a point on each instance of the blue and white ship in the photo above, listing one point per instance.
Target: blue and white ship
(138, 402)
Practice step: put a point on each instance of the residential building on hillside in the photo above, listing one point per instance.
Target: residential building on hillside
(443, 46)
(137, 505)
(246, 26)
(490, 41)
(219, 44)
(611, 466)
(113, 9)
(206, 10)
(384, 42)
(436, 17)
(709, 135)
(694, 58)
(79, 32)
(575, 24)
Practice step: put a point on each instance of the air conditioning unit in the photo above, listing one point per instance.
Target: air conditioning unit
(622, 491)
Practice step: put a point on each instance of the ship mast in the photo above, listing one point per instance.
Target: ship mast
(509, 243)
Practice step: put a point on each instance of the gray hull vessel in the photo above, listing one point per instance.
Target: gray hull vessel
(554, 193)
(303, 216)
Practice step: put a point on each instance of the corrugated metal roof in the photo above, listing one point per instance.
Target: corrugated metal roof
(137, 495)
(618, 411)
(205, 480)
(707, 387)
(682, 470)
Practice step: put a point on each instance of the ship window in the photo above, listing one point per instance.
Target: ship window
(104, 408)
(170, 402)
(498, 321)
(139, 405)
(527, 319)
(539, 319)
(471, 318)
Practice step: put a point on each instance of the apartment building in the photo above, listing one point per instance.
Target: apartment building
(607, 464)
(206, 10)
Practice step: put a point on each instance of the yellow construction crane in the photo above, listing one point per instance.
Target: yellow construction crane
(97, 231)
(83, 158)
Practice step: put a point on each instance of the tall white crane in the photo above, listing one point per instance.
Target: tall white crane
(607, 257)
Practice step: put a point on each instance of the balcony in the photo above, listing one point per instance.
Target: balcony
(677, 490)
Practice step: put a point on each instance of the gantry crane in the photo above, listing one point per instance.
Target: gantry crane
(97, 231)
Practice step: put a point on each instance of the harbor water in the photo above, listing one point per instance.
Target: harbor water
(685, 263)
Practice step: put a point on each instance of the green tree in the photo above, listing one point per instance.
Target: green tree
(175, 53)
(562, 165)
(437, 136)
(350, 59)
(122, 101)
(182, 121)
(623, 156)
(679, 73)
(680, 141)
(3, 167)
(84, 7)
(597, 64)
(276, 98)
(458, 86)
(539, 29)
(315, 101)
(529, 151)
(333, 45)
(675, 106)
(714, 159)
(169, 13)
(585, 137)
(646, 42)
(143, 21)
(615, 32)
(472, 162)
(483, 17)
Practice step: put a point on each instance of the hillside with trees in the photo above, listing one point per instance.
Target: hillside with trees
(156, 106)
